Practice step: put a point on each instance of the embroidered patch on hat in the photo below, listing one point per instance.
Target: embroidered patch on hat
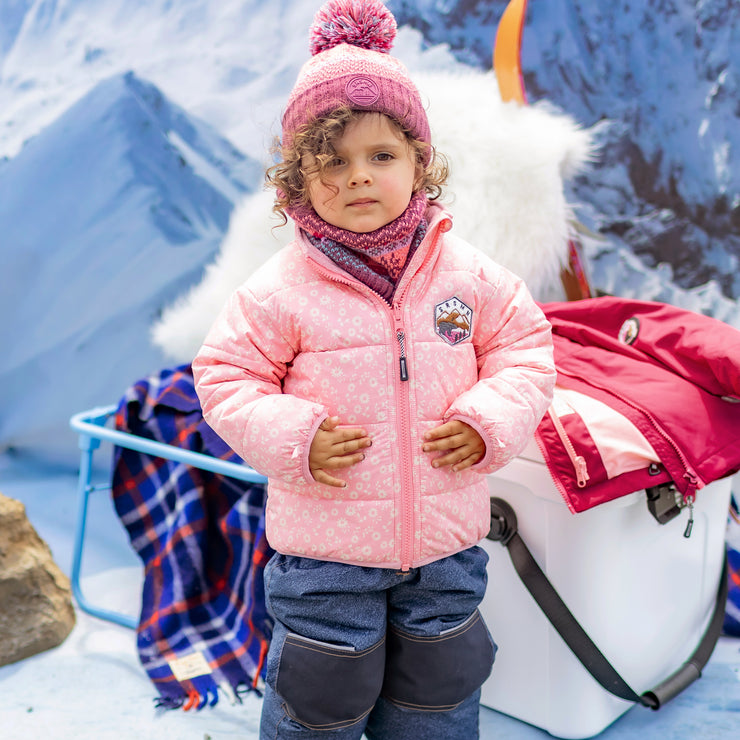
(629, 330)
(453, 320)
(362, 90)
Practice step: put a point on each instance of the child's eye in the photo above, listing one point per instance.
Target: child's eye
(384, 157)
(335, 162)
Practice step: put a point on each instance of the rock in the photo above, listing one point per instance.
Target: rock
(36, 611)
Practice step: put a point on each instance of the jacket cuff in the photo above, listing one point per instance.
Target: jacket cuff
(492, 444)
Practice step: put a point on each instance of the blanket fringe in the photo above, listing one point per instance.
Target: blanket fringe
(197, 700)
(168, 702)
(264, 647)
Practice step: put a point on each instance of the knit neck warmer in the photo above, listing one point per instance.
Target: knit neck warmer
(376, 258)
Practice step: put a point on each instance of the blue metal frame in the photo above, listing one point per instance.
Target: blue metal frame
(90, 425)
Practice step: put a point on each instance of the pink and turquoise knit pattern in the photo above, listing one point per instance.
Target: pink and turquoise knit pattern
(368, 24)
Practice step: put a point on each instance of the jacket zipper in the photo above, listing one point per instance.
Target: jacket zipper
(404, 413)
(408, 494)
(689, 475)
(578, 461)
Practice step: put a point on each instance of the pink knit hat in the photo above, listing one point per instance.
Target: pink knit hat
(351, 66)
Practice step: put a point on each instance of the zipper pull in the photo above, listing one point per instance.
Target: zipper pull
(582, 476)
(690, 523)
(580, 466)
(401, 337)
(689, 498)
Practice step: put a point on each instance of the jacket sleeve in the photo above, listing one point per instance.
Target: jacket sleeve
(516, 373)
(238, 378)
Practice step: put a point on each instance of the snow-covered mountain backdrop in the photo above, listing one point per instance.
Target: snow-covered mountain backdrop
(664, 75)
(109, 210)
(130, 128)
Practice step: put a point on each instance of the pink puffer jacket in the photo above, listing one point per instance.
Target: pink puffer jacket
(302, 340)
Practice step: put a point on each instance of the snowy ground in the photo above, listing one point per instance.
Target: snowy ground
(92, 686)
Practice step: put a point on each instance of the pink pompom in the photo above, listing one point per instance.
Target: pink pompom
(365, 23)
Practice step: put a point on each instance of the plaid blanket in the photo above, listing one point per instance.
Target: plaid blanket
(732, 613)
(203, 629)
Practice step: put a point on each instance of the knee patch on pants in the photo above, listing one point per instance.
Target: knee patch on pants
(326, 687)
(438, 672)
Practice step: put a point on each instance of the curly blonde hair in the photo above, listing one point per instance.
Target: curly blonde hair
(290, 175)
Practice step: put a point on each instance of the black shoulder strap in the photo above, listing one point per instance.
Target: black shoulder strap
(504, 530)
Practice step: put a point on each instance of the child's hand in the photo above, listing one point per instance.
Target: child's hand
(463, 445)
(334, 448)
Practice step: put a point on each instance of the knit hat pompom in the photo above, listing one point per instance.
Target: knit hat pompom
(367, 24)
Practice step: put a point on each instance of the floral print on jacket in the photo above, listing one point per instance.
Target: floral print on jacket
(302, 340)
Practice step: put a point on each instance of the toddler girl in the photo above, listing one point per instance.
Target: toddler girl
(374, 370)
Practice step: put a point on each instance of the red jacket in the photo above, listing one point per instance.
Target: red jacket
(672, 373)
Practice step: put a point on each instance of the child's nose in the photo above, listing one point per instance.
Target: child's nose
(359, 176)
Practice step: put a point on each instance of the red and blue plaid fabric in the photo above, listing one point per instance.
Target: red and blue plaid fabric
(201, 538)
(732, 614)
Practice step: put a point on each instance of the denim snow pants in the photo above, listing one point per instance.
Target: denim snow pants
(390, 654)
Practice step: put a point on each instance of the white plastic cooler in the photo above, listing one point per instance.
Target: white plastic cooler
(642, 591)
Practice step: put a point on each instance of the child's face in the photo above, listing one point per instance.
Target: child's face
(370, 181)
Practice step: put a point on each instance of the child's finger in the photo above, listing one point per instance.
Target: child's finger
(330, 423)
(460, 458)
(449, 459)
(343, 461)
(347, 447)
(442, 431)
(445, 443)
(348, 433)
(338, 436)
(321, 476)
(468, 462)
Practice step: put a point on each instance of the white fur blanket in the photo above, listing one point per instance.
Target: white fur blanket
(508, 164)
